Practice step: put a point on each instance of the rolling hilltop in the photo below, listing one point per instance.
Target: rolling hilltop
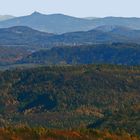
(116, 53)
(21, 35)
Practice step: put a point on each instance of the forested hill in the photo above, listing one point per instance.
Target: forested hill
(115, 53)
(97, 96)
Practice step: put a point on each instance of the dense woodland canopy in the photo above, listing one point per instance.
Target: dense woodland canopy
(89, 96)
(41, 133)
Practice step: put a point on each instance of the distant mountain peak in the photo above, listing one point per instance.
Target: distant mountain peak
(36, 13)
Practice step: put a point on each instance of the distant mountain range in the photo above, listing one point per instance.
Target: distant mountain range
(78, 47)
(59, 23)
(56, 23)
(21, 35)
(5, 17)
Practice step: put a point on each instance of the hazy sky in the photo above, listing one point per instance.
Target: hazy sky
(79, 8)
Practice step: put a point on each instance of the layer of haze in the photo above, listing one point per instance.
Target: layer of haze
(78, 8)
